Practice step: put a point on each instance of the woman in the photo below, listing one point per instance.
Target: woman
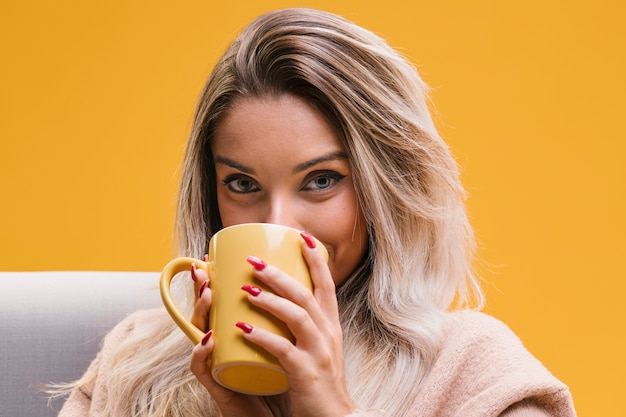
(310, 121)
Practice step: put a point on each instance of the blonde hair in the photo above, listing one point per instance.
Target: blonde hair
(420, 243)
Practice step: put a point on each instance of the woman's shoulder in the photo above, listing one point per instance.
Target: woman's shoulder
(136, 328)
(483, 366)
(480, 343)
(141, 316)
(477, 327)
(137, 321)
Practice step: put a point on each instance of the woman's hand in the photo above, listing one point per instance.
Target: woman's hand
(229, 402)
(314, 364)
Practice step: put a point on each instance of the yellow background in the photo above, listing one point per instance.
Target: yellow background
(96, 99)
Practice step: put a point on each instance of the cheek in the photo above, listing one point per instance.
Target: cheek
(346, 239)
(232, 214)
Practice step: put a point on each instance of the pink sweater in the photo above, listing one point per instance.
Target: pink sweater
(482, 370)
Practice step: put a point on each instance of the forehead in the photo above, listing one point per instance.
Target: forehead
(284, 122)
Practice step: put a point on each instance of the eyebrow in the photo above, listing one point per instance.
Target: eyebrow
(299, 168)
(324, 158)
(233, 164)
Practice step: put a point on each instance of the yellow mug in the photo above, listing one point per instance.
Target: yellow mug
(237, 364)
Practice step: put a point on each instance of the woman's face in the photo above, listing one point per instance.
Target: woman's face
(278, 160)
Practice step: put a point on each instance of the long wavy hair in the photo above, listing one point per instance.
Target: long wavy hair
(419, 261)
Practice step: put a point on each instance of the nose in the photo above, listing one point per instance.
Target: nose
(282, 210)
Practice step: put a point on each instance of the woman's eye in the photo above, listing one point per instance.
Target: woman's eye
(323, 182)
(240, 184)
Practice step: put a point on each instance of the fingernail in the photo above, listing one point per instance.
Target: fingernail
(206, 337)
(206, 257)
(257, 263)
(251, 289)
(308, 239)
(193, 273)
(202, 288)
(244, 326)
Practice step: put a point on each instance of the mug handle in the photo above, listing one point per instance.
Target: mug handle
(172, 268)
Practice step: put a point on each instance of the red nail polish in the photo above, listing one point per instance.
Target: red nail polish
(206, 337)
(193, 273)
(257, 263)
(245, 327)
(251, 289)
(202, 288)
(310, 242)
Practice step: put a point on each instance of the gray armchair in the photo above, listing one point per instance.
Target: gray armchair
(52, 325)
